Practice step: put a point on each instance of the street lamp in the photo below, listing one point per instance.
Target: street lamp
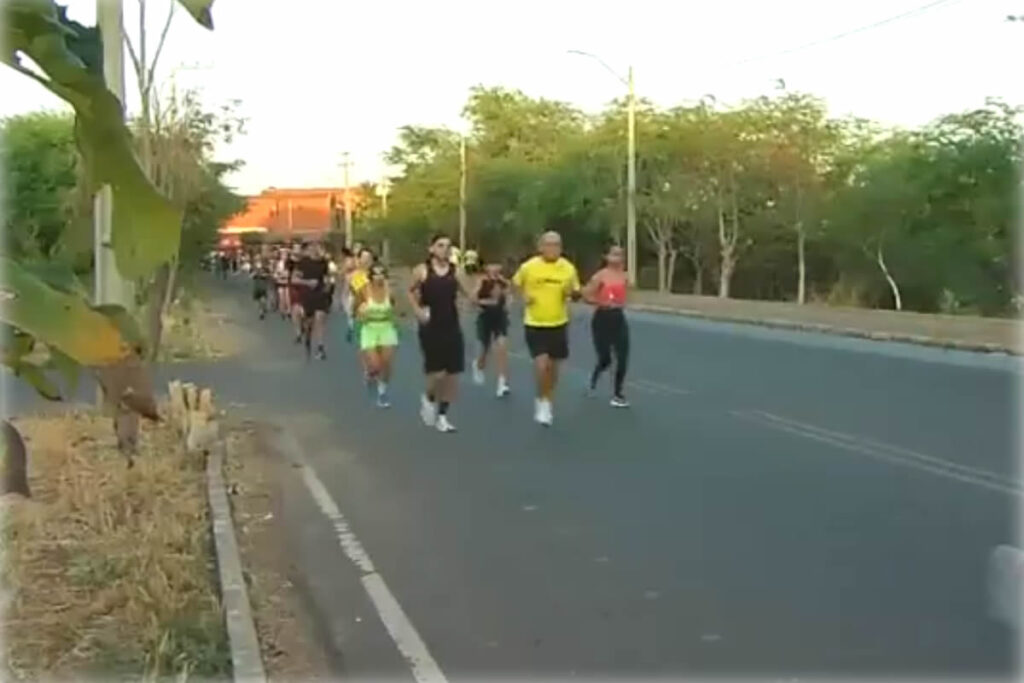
(630, 164)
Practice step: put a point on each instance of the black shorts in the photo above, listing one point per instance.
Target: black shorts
(443, 348)
(312, 302)
(490, 325)
(552, 342)
(259, 289)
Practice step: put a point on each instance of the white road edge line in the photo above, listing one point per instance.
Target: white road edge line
(397, 623)
(941, 471)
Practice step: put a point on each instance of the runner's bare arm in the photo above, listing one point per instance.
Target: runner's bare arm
(419, 274)
(591, 289)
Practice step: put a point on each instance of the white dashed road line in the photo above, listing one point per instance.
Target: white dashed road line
(399, 627)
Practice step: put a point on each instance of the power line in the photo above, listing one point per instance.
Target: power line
(839, 36)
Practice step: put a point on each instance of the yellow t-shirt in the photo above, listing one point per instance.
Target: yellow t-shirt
(358, 280)
(545, 285)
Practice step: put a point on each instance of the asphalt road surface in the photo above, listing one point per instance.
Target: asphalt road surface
(774, 504)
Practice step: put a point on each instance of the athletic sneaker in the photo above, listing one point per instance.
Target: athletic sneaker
(428, 411)
(478, 376)
(382, 396)
(443, 425)
(542, 412)
(619, 402)
(503, 389)
(547, 414)
(321, 353)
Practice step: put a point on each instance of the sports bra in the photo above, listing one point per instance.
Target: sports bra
(612, 293)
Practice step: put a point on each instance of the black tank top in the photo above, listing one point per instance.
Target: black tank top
(487, 286)
(438, 293)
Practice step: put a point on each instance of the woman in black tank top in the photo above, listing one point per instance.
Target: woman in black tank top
(492, 325)
(433, 295)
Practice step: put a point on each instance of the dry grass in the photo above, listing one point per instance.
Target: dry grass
(192, 331)
(109, 571)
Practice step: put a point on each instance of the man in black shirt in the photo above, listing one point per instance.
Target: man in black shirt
(310, 277)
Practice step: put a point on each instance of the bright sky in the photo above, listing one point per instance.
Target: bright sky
(325, 76)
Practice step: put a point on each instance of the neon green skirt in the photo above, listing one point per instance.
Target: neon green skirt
(376, 334)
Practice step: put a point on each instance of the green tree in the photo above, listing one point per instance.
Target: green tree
(40, 175)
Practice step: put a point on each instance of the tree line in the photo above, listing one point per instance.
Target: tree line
(771, 198)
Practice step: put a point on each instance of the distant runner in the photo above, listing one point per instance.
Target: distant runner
(491, 296)
(433, 294)
(310, 278)
(547, 282)
(261, 282)
(378, 335)
(606, 290)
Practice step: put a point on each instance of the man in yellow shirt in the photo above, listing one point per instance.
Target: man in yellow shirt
(547, 282)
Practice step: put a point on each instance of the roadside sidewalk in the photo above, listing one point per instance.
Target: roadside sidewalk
(967, 333)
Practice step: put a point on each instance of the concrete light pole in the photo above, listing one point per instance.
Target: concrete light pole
(631, 244)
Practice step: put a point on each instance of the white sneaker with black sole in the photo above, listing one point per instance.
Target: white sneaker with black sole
(428, 411)
(443, 425)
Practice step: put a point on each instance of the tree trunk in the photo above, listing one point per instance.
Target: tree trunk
(801, 285)
(670, 276)
(698, 279)
(662, 253)
(888, 277)
(154, 312)
(727, 245)
(725, 274)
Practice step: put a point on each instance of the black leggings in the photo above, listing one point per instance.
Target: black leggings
(611, 335)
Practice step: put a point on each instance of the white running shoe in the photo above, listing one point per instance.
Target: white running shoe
(619, 402)
(544, 414)
(478, 376)
(538, 410)
(443, 425)
(428, 411)
(503, 389)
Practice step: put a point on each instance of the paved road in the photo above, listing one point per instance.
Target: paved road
(775, 503)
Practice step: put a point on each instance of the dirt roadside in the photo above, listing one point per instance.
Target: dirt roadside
(290, 645)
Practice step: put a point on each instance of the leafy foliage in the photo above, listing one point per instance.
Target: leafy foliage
(46, 306)
(771, 197)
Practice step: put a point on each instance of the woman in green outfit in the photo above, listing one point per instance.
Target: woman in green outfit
(378, 335)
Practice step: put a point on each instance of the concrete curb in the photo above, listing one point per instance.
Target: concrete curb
(777, 323)
(246, 660)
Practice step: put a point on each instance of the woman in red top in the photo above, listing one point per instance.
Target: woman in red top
(607, 292)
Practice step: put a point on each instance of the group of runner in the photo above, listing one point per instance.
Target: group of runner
(307, 284)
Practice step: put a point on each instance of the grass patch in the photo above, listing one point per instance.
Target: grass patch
(109, 572)
(193, 331)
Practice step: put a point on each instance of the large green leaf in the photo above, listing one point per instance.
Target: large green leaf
(35, 376)
(60, 320)
(146, 227)
(200, 11)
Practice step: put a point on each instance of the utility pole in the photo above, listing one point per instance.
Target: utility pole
(462, 194)
(110, 287)
(383, 189)
(348, 202)
(630, 165)
(631, 189)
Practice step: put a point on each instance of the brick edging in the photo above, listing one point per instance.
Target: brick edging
(246, 660)
(778, 323)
